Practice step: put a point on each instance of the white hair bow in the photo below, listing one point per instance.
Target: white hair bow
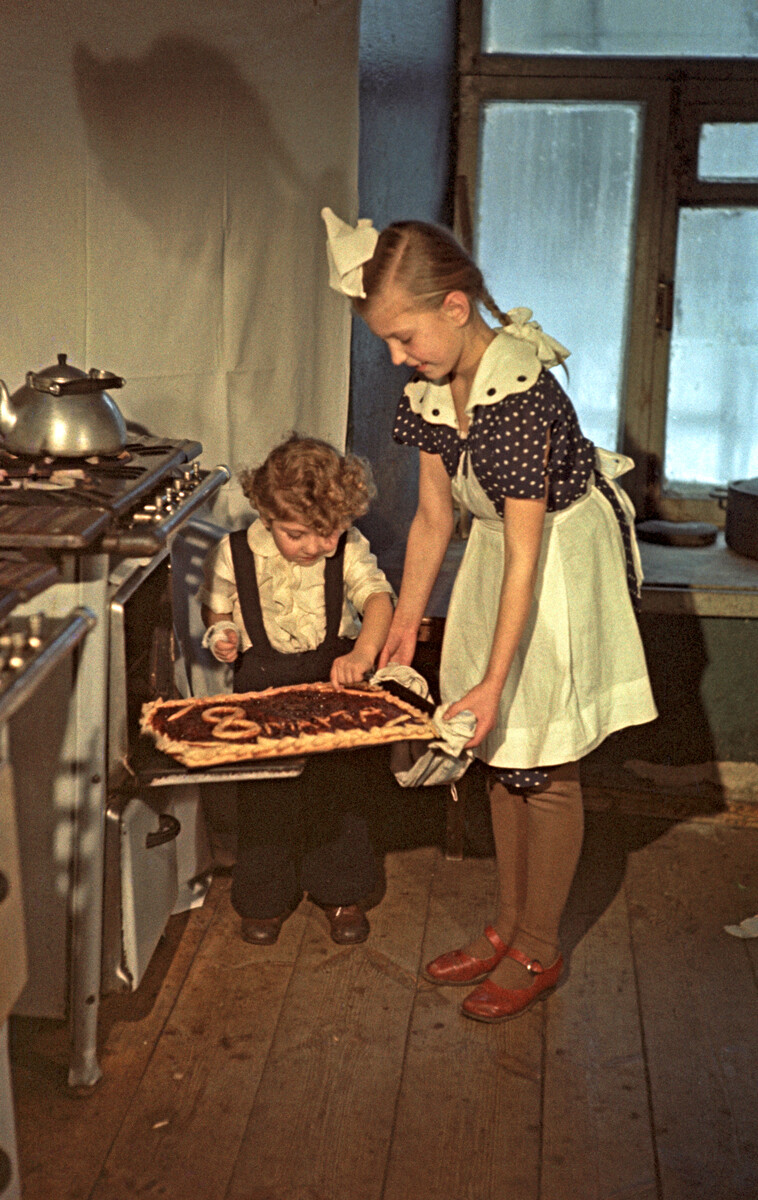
(347, 249)
(549, 351)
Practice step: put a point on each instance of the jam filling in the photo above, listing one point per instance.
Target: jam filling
(285, 714)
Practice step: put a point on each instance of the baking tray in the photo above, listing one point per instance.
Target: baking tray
(150, 767)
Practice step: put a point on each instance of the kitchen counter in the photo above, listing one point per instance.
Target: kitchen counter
(706, 581)
(710, 581)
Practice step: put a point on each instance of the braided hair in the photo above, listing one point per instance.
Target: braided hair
(428, 263)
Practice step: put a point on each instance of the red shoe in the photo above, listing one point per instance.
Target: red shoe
(457, 967)
(492, 1003)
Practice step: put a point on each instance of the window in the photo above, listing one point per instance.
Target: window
(618, 198)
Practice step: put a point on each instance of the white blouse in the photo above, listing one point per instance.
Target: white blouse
(292, 596)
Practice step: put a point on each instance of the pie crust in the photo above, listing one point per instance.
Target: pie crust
(305, 718)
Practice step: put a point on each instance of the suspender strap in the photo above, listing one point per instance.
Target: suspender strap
(246, 578)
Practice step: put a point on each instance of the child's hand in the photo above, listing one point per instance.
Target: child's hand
(225, 647)
(350, 668)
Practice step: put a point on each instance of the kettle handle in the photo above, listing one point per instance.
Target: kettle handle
(96, 381)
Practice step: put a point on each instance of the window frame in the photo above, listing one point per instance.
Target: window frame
(677, 96)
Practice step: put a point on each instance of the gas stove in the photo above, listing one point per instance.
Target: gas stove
(127, 504)
(86, 553)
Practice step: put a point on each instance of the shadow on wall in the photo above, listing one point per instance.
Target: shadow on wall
(196, 153)
(167, 126)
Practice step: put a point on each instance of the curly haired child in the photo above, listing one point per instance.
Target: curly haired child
(298, 597)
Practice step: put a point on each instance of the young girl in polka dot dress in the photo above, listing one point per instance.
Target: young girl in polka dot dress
(541, 640)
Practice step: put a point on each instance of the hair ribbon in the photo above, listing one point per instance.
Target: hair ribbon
(347, 249)
(549, 351)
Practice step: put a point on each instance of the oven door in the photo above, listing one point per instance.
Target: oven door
(157, 853)
(141, 651)
(141, 888)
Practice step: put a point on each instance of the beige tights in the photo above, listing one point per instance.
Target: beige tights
(538, 838)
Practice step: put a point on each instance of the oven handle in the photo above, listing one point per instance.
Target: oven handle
(168, 829)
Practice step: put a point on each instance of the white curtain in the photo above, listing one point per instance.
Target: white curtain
(163, 170)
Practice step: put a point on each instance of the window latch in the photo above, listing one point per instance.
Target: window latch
(664, 305)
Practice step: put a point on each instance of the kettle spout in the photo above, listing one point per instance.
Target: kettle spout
(4, 397)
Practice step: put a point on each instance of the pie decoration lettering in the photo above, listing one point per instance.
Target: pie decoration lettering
(305, 718)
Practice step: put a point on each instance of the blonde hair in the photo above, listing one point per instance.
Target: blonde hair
(305, 479)
(428, 262)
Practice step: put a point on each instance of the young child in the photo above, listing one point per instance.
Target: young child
(541, 642)
(283, 601)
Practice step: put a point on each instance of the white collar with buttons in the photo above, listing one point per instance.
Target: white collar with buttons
(509, 365)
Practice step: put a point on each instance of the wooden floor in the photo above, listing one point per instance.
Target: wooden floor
(306, 1071)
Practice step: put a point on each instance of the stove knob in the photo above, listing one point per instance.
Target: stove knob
(36, 626)
(18, 646)
(5, 651)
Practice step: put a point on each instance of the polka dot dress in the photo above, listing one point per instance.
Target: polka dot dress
(507, 442)
(515, 443)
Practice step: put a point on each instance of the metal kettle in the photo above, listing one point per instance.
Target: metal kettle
(64, 412)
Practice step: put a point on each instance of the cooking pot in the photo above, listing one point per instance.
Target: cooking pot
(63, 411)
(740, 499)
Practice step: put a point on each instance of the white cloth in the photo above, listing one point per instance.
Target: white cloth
(579, 672)
(422, 763)
(218, 632)
(199, 134)
(746, 929)
(292, 597)
(347, 249)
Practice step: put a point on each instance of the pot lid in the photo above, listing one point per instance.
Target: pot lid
(62, 378)
(748, 486)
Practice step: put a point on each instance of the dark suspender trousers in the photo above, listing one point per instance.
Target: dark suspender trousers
(304, 834)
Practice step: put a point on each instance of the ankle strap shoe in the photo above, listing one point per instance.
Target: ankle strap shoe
(491, 1003)
(457, 968)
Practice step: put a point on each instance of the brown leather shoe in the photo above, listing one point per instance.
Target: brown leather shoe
(491, 1003)
(348, 924)
(457, 968)
(262, 931)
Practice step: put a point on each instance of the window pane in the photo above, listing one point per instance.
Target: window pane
(728, 152)
(555, 222)
(712, 423)
(698, 28)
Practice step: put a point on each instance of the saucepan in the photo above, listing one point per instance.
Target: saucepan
(740, 500)
(63, 411)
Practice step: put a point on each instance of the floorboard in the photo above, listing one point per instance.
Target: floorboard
(187, 1118)
(64, 1137)
(468, 1118)
(308, 1071)
(323, 1116)
(598, 1139)
(699, 1008)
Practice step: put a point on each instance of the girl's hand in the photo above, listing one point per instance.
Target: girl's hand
(350, 669)
(225, 648)
(400, 647)
(483, 701)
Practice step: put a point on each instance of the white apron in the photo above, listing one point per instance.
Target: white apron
(579, 672)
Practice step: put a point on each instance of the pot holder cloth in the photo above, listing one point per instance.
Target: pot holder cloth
(427, 764)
